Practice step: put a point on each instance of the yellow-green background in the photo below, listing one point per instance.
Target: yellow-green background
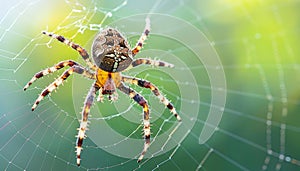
(258, 45)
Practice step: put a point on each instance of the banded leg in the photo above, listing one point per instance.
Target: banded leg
(141, 61)
(146, 119)
(83, 53)
(59, 81)
(100, 97)
(84, 121)
(154, 89)
(47, 71)
(142, 39)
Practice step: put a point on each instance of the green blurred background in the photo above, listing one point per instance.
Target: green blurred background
(257, 44)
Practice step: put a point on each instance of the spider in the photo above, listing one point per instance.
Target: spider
(112, 55)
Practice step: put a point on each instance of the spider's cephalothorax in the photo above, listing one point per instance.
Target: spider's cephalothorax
(111, 51)
(111, 54)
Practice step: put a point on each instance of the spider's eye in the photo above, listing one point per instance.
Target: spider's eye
(111, 51)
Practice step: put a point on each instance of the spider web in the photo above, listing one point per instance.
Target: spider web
(247, 120)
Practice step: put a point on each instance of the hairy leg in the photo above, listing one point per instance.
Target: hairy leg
(52, 69)
(146, 119)
(83, 53)
(60, 80)
(84, 121)
(152, 62)
(142, 39)
(154, 89)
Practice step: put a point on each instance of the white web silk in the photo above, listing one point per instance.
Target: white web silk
(44, 139)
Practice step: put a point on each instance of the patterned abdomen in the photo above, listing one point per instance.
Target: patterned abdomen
(111, 51)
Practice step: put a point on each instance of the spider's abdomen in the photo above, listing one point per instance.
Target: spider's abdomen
(111, 51)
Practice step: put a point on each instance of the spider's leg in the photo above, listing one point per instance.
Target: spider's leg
(146, 119)
(84, 121)
(100, 97)
(47, 71)
(142, 39)
(145, 61)
(154, 89)
(59, 81)
(83, 53)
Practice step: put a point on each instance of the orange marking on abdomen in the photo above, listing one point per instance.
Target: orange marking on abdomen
(102, 77)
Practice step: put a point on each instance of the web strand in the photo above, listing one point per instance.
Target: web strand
(260, 64)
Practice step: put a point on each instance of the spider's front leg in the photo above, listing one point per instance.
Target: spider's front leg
(50, 70)
(146, 119)
(100, 97)
(76, 68)
(155, 91)
(84, 120)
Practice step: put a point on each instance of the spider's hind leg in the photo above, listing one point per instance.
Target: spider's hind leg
(142, 39)
(83, 53)
(153, 62)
